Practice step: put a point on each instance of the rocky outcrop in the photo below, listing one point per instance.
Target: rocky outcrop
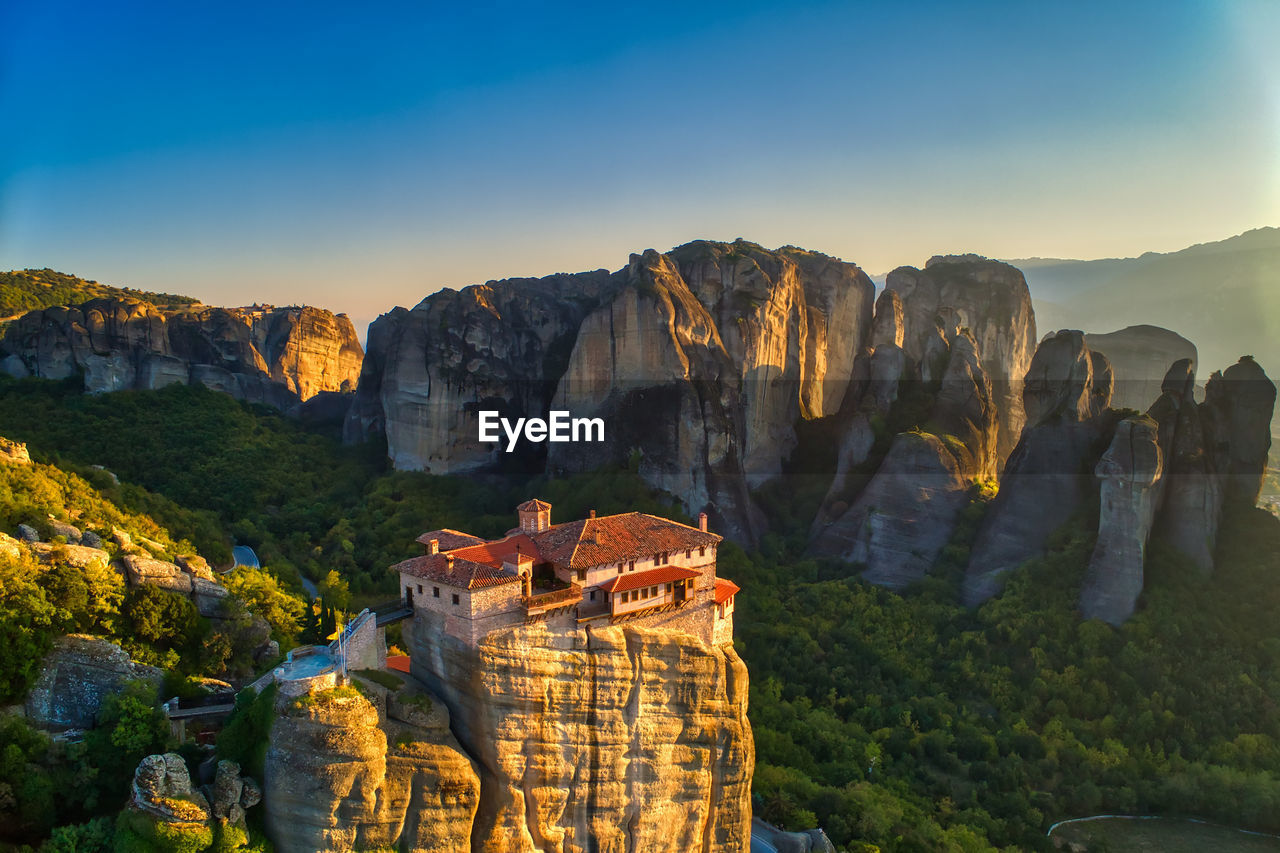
(700, 361)
(209, 597)
(612, 739)
(278, 356)
(13, 452)
(1049, 474)
(1140, 357)
(1128, 472)
(988, 298)
(76, 676)
(1242, 399)
(165, 812)
(345, 772)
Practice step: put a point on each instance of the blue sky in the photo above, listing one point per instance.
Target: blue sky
(309, 152)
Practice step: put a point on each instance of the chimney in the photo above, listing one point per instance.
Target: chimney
(448, 562)
(433, 547)
(591, 513)
(702, 522)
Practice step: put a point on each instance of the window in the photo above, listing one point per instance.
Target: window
(653, 592)
(455, 598)
(435, 591)
(688, 552)
(668, 588)
(582, 574)
(655, 558)
(419, 589)
(631, 567)
(593, 595)
(702, 550)
(619, 568)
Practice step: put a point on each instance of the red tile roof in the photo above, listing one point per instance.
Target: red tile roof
(449, 539)
(613, 538)
(534, 505)
(495, 553)
(399, 663)
(465, 574)
(638, 580)
(725, 590)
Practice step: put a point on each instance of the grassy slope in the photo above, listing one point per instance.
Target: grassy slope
(27, 290)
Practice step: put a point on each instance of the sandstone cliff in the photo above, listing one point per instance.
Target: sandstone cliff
(77, 674)
(1129, 472)
(278, 356)
(988, 298)
(1140, 357)
(700, 360)
(615, 739)
(345, 772)
(1049, 475)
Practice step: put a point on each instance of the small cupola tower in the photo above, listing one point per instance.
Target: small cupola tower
(535, 516)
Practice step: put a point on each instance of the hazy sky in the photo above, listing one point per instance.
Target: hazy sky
(296, 152)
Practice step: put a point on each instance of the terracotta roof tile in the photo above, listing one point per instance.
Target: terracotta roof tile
(725, 590)
(495, 553)
(612, 538)
(534, 505)
(465, 574)
(637, 580)
(449, 539)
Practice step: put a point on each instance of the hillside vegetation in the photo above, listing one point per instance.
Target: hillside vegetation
(897, 722)
(27, 290)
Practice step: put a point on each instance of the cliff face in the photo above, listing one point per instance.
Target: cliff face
(344, 772)
(278, 356)
(1140, 357)
(988, 298)
(1049, 475)
(700, 361)
(614, 739)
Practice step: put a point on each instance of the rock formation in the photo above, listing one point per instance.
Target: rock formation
(165, 812)
(345, 772)
(1049, 474)
(278, 356)
(13, 452)
(700, 361)
(78, 673)
(988, 298)
(1140, 357)
(1129, 472)
(613, 739)
(1243, 400)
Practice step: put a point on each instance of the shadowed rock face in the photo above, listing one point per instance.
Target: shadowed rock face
(991, 300)
(1129, 472)
(1140, 357)
(700, 361)
(611, 739)
(278, 356)
(1049, 474)
(1242, 399)
(76, 676)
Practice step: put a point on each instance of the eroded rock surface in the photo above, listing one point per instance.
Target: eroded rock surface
(1140, 357)
(1050, 473)
(278, 356)
(612, 739)
(342, 775)
(1129, 472)
(76, 676)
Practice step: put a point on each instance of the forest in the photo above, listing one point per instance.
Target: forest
(898, 722)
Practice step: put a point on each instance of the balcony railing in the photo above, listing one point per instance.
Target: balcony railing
(555, 598)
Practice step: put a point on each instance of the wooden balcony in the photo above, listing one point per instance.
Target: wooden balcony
(544, 602)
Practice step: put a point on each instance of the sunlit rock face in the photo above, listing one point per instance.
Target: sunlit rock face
(700, 361)
(278, 356)
(610, 739)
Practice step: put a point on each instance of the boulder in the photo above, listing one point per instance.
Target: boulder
(89, 539)
(27, 533)
(144, 570)
(1129, 472)
(75, 555)
(76, 676)
(67, 531)
(9, 547)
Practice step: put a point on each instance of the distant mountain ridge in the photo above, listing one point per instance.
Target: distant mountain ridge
(1221, 295)
(31, 289)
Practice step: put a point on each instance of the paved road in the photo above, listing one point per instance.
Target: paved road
(244, 556)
